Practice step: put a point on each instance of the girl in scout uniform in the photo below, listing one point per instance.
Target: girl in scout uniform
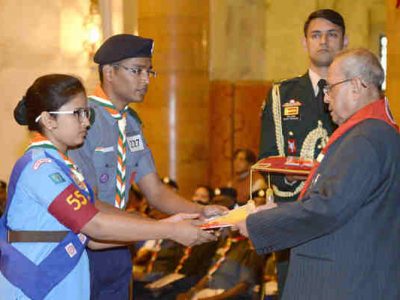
(50, 217)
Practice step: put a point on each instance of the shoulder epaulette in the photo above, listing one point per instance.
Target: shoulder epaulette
(284, 81)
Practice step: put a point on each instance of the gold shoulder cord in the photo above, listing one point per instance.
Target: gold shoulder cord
(277, 117)
(309, 144)
(307, 149)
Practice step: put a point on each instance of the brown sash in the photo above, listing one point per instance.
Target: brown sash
(35, 236)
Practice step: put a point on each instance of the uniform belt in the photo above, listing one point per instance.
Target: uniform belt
(36, 236)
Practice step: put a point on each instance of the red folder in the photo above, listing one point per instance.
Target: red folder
(289, 165)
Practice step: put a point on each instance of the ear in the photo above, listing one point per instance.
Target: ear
(357, 87)
(108, 72)
(48, 121)
(304, 43)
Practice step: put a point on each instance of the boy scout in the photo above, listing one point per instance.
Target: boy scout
(115, 153)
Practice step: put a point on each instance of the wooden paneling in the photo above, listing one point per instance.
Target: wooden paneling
(235, 123)
(221, 132)
(176, 108)
(249, 96)
(393, 56)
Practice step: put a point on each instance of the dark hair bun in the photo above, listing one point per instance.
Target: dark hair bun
(20, 112)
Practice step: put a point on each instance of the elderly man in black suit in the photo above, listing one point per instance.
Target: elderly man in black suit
(345, 229)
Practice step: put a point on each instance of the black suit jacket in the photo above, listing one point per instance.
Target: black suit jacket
(345, 232)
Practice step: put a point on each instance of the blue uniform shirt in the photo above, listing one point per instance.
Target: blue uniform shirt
(41, 181)
(97, 158)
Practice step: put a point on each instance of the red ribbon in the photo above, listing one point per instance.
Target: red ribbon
(398, 4)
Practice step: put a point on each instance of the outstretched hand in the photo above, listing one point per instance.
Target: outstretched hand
(187, 234)
(213, 210)
(180, 217)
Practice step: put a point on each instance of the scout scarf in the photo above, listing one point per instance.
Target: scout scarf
(39, 141)
(378, 110)
(101, 98)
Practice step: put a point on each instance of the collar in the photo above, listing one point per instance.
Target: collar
(314, 77)
(378, 110)
(100, 99)
(99, 92)
(103, 100)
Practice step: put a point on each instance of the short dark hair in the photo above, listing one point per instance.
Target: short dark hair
(249, 154)
(3, 184)
(47, 93)
(327, 14)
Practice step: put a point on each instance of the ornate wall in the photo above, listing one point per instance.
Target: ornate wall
(197, 41)
(176, 108)
(36, 38)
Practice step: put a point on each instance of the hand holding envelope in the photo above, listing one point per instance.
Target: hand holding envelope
(241, 225)
(231, 218)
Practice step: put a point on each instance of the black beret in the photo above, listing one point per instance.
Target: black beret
(121, 46)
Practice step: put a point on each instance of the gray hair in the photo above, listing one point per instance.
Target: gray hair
(362, 63)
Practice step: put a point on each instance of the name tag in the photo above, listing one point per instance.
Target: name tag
(135, 143)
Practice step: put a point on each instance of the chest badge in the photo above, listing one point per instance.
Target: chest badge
(135, 143)
(291, 110)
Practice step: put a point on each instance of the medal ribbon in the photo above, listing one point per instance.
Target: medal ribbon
(378, 110)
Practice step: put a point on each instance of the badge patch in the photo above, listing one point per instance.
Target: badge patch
(104, 149)
(57, 178)
(40, 162)
(70, 248)
(291, 110)
(82, 238)
(292, 148)
(135, 143)
(104, 178)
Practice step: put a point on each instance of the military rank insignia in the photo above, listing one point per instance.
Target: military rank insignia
(291, 110)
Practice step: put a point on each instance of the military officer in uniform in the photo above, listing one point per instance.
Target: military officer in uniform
(295, 121)
(115, 154)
